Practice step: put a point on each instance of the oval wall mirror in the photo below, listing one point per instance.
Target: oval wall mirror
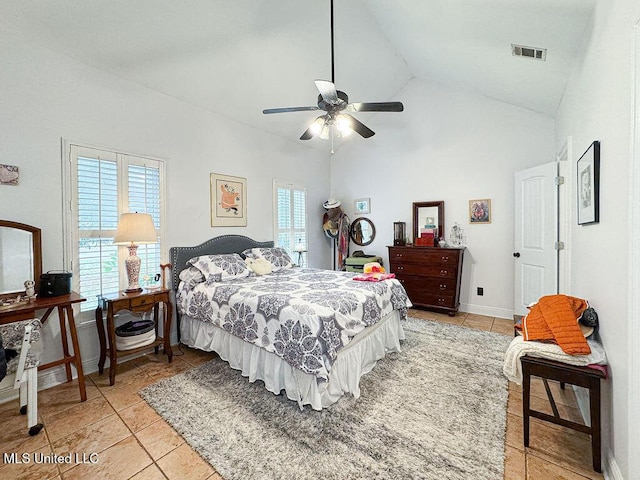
(363, 231)
(428, 215)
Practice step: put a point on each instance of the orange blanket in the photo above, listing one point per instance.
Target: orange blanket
(555, 318)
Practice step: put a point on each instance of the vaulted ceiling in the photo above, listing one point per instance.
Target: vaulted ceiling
(236, 57)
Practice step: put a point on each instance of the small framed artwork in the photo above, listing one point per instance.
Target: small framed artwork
(480, 211)
(362, 205)
(588, 185)
(228, 201)
(9, 174)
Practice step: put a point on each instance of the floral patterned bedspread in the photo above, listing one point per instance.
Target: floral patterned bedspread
(303, 315)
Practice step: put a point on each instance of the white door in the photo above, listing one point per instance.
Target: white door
(536, 220)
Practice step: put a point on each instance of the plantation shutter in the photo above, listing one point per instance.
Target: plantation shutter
(105, 185)
(291, 218)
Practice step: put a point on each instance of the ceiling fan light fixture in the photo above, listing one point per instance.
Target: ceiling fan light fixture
(343, 123)
(317, 125)
(326, 131)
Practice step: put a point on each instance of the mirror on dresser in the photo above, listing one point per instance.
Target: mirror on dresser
(20, 257)
(363, 231)
(426, 216)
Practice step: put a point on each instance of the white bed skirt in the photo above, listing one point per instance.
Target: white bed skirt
(356, 359)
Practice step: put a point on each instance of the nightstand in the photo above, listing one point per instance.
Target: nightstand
(137, 302)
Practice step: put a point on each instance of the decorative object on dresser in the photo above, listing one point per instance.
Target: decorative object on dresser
(428, 223)
(136, 303)
(430, 275)
(134, 229)
(399, 233)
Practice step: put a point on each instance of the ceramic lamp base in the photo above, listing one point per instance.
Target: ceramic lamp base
(132, 265)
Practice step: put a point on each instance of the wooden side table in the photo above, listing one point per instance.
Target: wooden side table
(135, 302)
(64, 305)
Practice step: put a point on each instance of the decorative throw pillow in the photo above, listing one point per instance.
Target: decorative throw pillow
(260, 266)
(277, 257)
(220, 267)
(191, 276)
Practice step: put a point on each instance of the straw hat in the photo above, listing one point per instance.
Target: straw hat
(331, 203)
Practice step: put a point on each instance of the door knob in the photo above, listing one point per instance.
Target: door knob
(517, 254)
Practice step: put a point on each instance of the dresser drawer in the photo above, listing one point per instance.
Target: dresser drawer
(433, 285)
(421, 298)
(444, 271)
(422, 256)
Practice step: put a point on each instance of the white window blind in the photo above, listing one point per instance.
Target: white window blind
(290, 218)
(104, 185)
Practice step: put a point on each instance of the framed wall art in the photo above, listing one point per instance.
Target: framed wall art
(480, 211)
(588, 185)
(228, 201)
(362, 205)
(9, 174)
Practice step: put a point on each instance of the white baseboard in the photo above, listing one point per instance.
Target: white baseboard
(611, 470)
(488, 311)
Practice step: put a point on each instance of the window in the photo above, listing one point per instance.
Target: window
(103, 185)
(290, 218)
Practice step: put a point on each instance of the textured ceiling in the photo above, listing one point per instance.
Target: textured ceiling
(237, 57)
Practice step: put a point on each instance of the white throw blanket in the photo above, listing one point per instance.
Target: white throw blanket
(512, 367)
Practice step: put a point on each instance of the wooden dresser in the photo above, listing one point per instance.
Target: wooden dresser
(430, 275)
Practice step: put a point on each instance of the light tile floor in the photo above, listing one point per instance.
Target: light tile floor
(133, 442)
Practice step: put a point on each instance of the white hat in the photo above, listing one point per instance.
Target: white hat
(331, 203)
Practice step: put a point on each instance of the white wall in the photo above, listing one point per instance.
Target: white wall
(46, 97)
(597, 106)
(453, 146)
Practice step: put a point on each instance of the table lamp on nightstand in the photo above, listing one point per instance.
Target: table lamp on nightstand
(134, 229)
(300, 248)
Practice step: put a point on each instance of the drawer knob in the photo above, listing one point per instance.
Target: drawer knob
(443, 286)
(443, 272)
(445, 259)
(400, 267)
(441, 300)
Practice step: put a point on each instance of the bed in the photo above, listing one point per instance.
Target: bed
(306, 332)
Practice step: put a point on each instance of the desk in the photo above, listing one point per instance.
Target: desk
(135, 302)
(64, 304)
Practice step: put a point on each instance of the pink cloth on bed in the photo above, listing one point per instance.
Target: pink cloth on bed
(375, 277)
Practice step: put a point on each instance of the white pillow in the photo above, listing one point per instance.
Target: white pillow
(260, 266)
(191, 276)
(277, 257)
(220, 267)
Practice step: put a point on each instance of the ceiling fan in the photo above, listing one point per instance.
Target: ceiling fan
(337, 107)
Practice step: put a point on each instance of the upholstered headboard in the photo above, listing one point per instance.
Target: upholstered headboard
(217, 245)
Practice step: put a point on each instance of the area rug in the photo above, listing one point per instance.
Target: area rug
(437, 410)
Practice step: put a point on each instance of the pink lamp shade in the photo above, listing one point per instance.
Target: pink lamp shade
(134, 229)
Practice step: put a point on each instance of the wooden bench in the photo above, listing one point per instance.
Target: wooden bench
(585, 377)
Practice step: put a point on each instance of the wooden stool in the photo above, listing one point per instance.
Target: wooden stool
(564, 373)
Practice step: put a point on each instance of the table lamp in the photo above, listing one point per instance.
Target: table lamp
(134, 229)
(300, 248)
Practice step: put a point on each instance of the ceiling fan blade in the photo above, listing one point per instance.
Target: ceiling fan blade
(327, 90)
(307, 135)
(359, 127)
(376, 107)
(288, 109)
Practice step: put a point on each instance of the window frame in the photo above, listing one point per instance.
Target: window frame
(70, 152)
(295, 232)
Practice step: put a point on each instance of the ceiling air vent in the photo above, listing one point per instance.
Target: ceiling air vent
(529, 52)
